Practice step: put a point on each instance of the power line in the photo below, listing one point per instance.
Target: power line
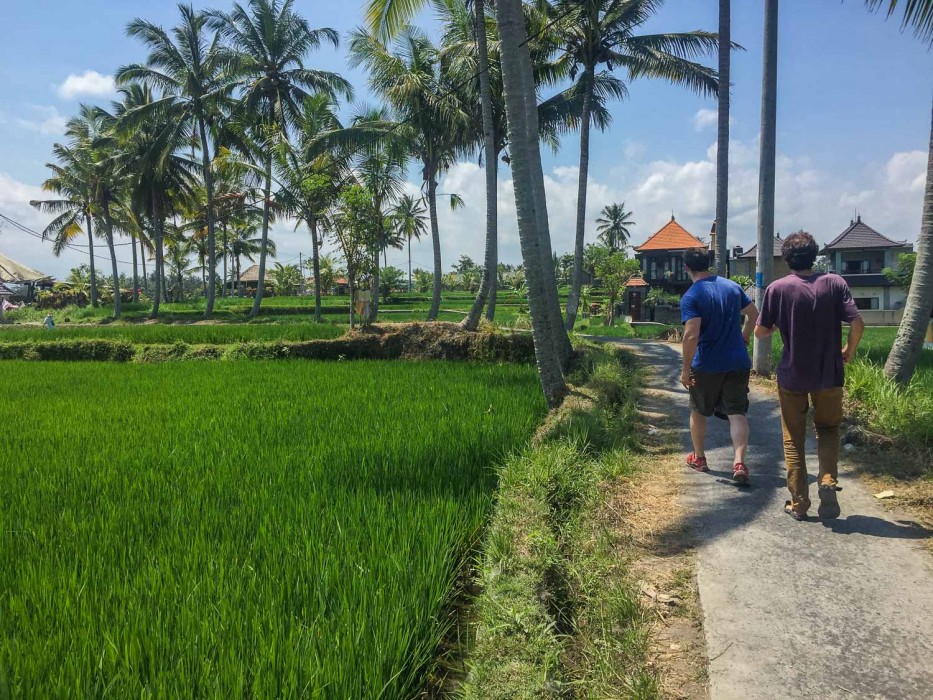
(72, 246)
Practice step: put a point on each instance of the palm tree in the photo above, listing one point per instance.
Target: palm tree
(90, 133)
(908, 345)
(470, 45)
(161, 178)
(244, 244)
(613, 226)
(271, 41)
(71, 181)
(311, 176)
(597, 36)
(722, 139)
(381, 173)
(765, 249)
(466, 45)
(179, 249)
(408, 214)
(193, 72)
(523, 136)
(412, 81)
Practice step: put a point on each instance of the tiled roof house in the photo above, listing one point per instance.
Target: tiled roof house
(661, 256)
(859, 254)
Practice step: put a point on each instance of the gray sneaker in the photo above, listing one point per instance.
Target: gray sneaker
(829, 503)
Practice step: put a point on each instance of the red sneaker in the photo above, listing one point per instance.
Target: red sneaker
(698, 463)
(740, 473)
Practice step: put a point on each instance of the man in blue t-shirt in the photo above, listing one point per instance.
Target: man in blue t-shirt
(716, 362)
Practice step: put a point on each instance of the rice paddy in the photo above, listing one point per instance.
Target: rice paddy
(238, 529)
(193, 334)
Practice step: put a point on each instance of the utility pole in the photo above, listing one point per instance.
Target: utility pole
(720, 225)
(765, 251)
(301, 270)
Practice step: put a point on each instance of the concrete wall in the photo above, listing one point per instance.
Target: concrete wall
(882, 318)
(889, 298)
(749, 266)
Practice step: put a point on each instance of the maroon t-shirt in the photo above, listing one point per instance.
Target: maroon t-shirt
(809, 312)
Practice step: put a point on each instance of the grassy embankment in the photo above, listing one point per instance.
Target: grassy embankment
(558, 615)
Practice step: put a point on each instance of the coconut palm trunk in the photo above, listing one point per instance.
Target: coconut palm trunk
(513, 50)
(209, 189)
(490, 259)
(90, 247)
(352, 288)
(159, 259)
(430, 173)
(142, 259)
(374, 290)
(316, 265)
(223, 287)
(556, 328)
(135, 271)
(573, 300)
(765, 261)
(908, 345)
(108, 225)
(267, 195)
(722, 147)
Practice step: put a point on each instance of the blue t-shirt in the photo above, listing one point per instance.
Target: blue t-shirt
(718, 302)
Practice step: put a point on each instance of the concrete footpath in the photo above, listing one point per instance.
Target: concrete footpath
(834, 609)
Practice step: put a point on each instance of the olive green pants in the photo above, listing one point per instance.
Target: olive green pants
(827, 417)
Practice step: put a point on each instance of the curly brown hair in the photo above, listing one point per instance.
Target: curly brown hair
(697, 259)
(799, 251)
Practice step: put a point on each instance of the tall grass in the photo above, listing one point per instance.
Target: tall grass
(241, 529)
(904, 414)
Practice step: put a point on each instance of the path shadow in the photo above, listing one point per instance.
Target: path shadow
(715, 516)
(878, 527)
(756, 480)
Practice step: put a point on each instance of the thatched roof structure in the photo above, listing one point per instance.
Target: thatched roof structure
(17, 273)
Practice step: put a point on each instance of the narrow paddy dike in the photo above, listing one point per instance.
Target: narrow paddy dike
(412, 341)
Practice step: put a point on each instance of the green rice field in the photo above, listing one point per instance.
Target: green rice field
(193, 334)
(234, 529)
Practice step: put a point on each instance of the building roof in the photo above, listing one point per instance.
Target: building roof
(752, 252)
(671, 236)
(12, 271)
(860, 235)
(250, 274)
(636, 281)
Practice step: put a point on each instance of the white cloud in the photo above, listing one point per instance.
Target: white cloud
(14, 202)
(888, 195)
(45, 120)
(90, 82)
(705, 119)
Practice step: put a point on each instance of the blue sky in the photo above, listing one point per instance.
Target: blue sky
(853, 125)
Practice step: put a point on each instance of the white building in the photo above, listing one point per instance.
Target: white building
(860, 254)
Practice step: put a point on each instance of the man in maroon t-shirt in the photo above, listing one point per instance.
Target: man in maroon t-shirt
(809, 308)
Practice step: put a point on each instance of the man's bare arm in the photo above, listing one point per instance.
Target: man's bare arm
(856, 328)
(690, 342)
(751, 315)
(764, 332)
